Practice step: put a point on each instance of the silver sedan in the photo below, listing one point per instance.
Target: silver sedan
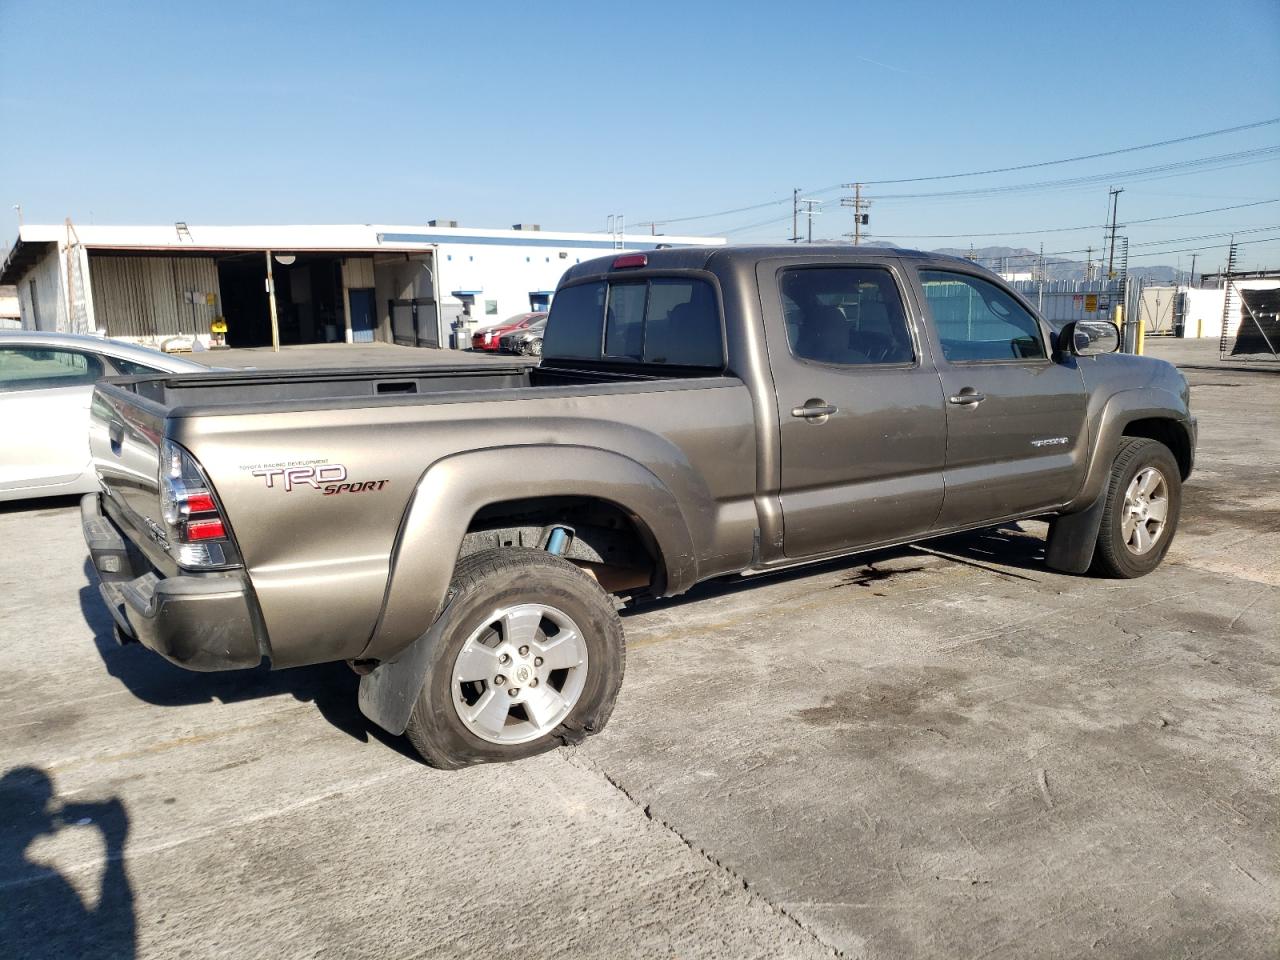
(46, 384)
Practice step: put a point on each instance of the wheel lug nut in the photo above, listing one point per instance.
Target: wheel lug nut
(499, 680)
(537, 661)
(505, 658)
(513, 690)
(524, 651)
(533, 682)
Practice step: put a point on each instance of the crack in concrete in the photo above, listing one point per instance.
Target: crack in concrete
(575, 759)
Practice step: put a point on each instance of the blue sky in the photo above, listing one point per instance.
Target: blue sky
(563, 113)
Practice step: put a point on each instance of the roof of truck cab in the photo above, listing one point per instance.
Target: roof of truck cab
(736, 256)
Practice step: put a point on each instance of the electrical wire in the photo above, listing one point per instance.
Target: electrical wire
(1091, 226)
(1087, 156)
(1155, 172)
(974, 173)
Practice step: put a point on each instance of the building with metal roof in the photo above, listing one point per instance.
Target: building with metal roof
(415, 285)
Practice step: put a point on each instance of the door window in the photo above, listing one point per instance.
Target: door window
(41, 368)
(977, 320)
(845, 315)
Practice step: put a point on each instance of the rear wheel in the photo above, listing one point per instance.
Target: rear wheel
(531, 657)
(1144, 500)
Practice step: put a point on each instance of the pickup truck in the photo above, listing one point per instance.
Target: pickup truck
(463, 535)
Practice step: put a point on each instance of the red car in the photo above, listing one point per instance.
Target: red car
(488, 338)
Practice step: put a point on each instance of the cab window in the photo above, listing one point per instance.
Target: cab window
(978, 321)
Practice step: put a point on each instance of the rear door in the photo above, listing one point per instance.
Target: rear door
(1016, 428)
(861, 420)
(44, 414)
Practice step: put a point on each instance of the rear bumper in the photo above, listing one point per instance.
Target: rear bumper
(203, 622)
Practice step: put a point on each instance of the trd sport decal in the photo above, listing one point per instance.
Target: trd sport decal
(331, 478)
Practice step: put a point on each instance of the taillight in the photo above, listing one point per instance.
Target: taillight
(197, 533)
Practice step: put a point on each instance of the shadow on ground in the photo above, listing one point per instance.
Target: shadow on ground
(38, 505)
(332, 687)
(1008, 550)
(42, 916)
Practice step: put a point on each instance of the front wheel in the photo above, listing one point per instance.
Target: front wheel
(1144, 500)
(531, 657)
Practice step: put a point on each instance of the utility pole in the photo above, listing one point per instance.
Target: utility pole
(1040, 286)
(1114, 196)
(810, 204)
(1193, 271)
(860, 216)
(1088, 264)
(795, 216)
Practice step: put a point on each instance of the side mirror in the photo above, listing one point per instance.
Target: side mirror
(1088, 338)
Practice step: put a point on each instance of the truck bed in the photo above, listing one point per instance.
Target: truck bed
(382, 431)
(238, 392)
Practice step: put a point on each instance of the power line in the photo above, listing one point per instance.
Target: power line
(1152, 172)
(1179, 167)
(1086, 156)
(974, 173)
(1150, 243)
(1088, 226)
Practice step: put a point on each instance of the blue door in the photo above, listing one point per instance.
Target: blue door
(363, 321)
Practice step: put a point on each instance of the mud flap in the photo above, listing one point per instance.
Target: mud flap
(1073, 538)
(389, 691)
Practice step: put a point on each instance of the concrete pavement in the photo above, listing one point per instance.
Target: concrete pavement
(942, 751)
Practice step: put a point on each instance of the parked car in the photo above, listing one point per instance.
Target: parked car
(46, 383)
(489, 338)
(455, 532)
(526, 342)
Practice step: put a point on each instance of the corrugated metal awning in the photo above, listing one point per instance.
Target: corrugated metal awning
(22, 257)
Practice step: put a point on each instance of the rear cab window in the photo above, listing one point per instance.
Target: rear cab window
(663, 321)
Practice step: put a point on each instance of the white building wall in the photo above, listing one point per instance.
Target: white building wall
(40, 295)
(502, 276)
(1202, 308)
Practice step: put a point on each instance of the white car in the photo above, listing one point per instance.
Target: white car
(46, 384)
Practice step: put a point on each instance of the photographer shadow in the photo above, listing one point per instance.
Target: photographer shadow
(42, 917)
(331, 687)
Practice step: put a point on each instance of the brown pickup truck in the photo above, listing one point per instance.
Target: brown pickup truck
(462, 534)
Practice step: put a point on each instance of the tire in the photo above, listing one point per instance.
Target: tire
(535, 348)
(514, 603)
(1120, 550)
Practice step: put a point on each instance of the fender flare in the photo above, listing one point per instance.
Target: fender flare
(1073, 535)
(454, 488)
(1122, 409)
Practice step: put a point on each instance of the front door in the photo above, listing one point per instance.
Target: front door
(861, 421)
(363, 321)
(1017, 435)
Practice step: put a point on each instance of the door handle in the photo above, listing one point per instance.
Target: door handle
(115, 432)
(817, 410)
(968, 397)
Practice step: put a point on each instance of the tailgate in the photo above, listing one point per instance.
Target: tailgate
(125, 433)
